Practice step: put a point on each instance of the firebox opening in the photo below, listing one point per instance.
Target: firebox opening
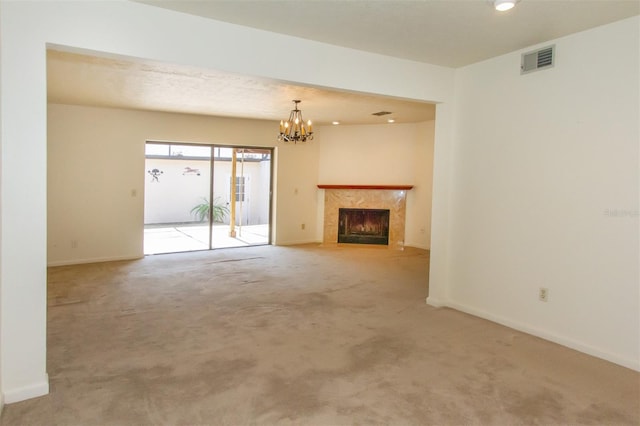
(363, 226)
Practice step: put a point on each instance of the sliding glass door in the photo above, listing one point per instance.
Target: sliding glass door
(200, 197)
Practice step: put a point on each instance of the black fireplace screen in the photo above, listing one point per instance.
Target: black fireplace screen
(363, 226)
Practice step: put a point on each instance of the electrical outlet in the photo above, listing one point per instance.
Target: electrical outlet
(302, 226)
(543, 295)
(74, 244)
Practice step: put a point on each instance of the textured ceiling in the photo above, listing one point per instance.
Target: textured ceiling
(79, 79)
(442, 32)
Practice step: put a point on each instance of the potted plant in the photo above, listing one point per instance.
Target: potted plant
(201, 211)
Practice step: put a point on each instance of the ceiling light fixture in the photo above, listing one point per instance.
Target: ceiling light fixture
(503, 5)
(294, 130)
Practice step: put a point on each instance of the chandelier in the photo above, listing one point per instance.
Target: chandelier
(294, 129)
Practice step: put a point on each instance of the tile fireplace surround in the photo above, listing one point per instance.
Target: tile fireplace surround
(391, 197)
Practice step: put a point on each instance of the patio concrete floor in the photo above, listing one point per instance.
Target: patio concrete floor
(170, 238)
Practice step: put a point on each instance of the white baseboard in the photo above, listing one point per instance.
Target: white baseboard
(633, 364)
(92, 260)
(420, 246)
(295, 243)
(27, 392)
(436, 303)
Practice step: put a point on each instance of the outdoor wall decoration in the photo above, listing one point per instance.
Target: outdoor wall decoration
(155, 173)
(190, 171)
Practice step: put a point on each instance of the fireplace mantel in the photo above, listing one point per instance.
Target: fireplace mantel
(379, 187)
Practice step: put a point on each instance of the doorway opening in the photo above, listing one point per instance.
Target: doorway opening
(202, 197)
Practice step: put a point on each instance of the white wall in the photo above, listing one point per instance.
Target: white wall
(384, 154)
(419, 199)
(376, 154)
(130, 29)
(23, 205)
(539, 161)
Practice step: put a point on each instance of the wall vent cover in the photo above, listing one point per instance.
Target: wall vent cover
(538, 60)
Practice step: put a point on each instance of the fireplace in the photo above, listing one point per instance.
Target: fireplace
(363, 226)
(391, 198)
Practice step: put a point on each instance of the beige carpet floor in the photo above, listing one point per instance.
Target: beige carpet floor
(302, 335)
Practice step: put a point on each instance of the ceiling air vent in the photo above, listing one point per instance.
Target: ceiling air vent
(381, 113)
(537, 60)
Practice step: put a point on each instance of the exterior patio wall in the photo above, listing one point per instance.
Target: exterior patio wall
(170, 197)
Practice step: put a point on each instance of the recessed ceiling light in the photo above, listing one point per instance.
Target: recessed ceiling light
(335, 123)
(503, 5)
(391, 120)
